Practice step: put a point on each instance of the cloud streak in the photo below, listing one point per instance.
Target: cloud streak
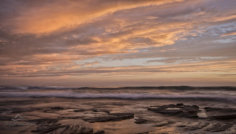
(105, 37)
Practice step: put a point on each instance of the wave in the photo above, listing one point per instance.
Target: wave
(131, 96)
(230, 88)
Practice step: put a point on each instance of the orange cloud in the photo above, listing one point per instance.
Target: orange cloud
(114, 39)
(229, 34)
(58, 15)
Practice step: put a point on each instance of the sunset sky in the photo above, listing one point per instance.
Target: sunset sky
(112, 43)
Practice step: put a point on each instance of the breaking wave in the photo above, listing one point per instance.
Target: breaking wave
(134, 96)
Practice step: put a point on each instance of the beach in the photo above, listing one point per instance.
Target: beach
(118, 111)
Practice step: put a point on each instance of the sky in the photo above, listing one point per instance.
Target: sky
(112, 43)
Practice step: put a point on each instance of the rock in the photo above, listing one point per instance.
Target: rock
(53, 109)
(223, 116)
(20, 110)
(143, 133)
(180, 125)
(3, 110)
(43, 121)
(163, 123)
(5, 118)
(221, 113)
(140, 120)
(196, 125)
(218, 127)
(179, 104)
(66, 127)
(177, 110)
(80, 110)
(42, 129)
(110, 117)
(94, 110)
(100, 132)
(209, 109)
(57, 108)
(80, 130)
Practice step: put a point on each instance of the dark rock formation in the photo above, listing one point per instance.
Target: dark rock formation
(177, 110)
(100, 132)
(196, 126)
(47, 128)
(218, 127)
(140, 121)
(162, 123)
(57, 108)
(22, 110)
(43, 121)
(110, 117)
(221, 113)
(5, 118)
(69, 127)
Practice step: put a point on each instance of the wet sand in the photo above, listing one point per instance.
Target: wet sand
(54, 115)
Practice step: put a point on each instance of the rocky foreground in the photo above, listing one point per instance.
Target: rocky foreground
(71, 116)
